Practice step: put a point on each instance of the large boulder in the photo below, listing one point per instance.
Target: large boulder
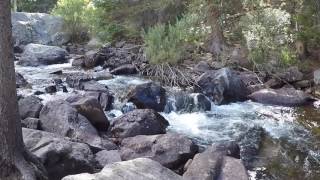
(38, 28)
(61, 118)
(37, 54)
(233, 169)
(137, 169)
(30, 107)
(171, 150)
(90, 108)
(60, 156)
(105, 98)
(105, 157)
(222, 86)
(139, 122)
(281, 97)
(148, 96)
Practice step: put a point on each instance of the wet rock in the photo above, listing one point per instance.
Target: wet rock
(37, 93)
(37, 54)
(90, 108)
(30, 107)
(148, 96)
(138, 169)
(171, 150)
(31, 123)
(38, 28)
(51, 89)
(105, 99)
(105, 157)
(128, 107)
(204, 166)
(61, 118)
(124, 70)
(202, 103)
(59, 72)
(60, 156)
(233, 169)
(281, 97)
(222, 86)
(250, 143)
(139, 122)
(20, 81)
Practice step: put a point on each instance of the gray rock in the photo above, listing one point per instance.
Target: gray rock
(139, 122)
(233, 169)
(30, 107)
(60, 156)
(171, 150)
(90, 108)
(282, 97)
(202, 67)
(137, 169)
(148, 96)
(291, 75)
(316, 77)
(204, 166)
(38, 28)
(222, 86)
(105, 157)
(37, 54)
(31, 123)
(61, 118)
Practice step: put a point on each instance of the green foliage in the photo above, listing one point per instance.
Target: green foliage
(167, 44)
(43, 6)
(78, 15)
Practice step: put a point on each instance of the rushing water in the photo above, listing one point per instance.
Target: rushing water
(290, 147)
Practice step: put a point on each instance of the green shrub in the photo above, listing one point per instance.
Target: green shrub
(43, 6)
(78, 16)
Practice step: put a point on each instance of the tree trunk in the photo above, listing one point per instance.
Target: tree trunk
(15, 162)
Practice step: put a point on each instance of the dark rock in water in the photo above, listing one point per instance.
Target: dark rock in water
(148, 96)
(31, 123)
(233, 169)
(36, 54)
(90, 108)
(137, 169)
(17, 49)
(171, 150)
(105, 98)
(124, 70)
(59, 72)
(202, 103)
(92, 59)
(57, 81)
(250, 143)
(128, 107)
(30, 107)
(61, 118)
(51, 89)
(222, 86)
(105, 157)
(20, 81)
(282, 97)
(139, 122)
(204, 166)
(60, 156)
(37, 93)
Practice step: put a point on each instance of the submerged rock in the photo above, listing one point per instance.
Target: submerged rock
(222, 86)
(38, 28)
(171, 150)
(20, 81)
(37, 54)
(137, 169)
(59, 156)
(281, 97)
(148, 96)
(139, 122)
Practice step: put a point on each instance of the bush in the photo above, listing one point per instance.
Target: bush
(78, 16)
(42, 6)
(168, 43)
